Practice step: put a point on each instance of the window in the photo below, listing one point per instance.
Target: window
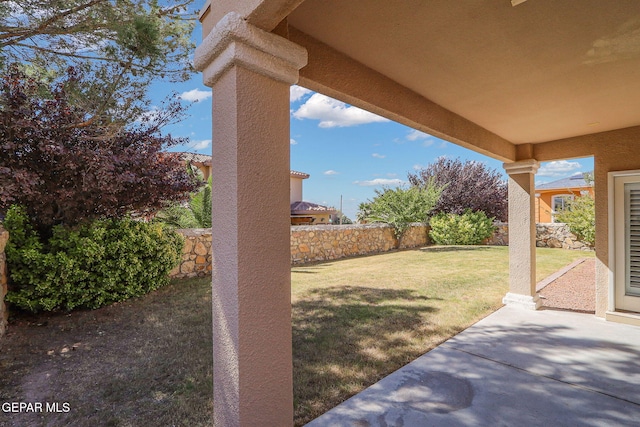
(559, 203)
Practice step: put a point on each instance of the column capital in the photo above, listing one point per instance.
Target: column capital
(233, 41)
(523, 166)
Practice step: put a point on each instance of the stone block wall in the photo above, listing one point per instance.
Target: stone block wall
(196, 255)
(308, 243)
(328, 242)
(500, 235)
(4, 237)
(558, 235)
(548, 235)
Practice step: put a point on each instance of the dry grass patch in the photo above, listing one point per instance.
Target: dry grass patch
(147, 361)
(144, 362)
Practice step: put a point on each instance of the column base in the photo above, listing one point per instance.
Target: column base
(527, 302)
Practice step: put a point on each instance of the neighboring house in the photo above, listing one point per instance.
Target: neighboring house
(553, 196)
(202, 162)
(305, 213)
(302, 213)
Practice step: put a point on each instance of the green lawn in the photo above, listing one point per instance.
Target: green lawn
(148, 361)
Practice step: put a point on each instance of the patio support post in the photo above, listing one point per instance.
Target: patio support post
(250, 72)
(522, 235)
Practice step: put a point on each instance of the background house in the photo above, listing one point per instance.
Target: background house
(305, 213)
(202, 162)
(552, 196)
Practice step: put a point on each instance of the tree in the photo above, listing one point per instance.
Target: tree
(469, 185)
(65, 174)
(196, 214)
(580, 216)
(121, 44)
(399, 207)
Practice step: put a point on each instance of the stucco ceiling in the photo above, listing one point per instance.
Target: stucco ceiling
(540, 71)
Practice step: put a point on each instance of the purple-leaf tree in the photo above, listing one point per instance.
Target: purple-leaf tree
(65, 169)
(469, 185)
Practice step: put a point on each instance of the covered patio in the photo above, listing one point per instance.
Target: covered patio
(520, 81)
(542, 368)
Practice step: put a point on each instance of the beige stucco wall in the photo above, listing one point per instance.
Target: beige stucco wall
(4, 237)
(295, 189)
(620, 155)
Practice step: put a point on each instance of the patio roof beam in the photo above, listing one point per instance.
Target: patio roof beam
(587, 145)
(263, 14)
(334, 74)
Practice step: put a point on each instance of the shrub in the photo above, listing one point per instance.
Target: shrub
(580, 216)
(399, 206)
(470, 228)
(88, 266)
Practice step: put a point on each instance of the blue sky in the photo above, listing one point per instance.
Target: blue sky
(347, 151)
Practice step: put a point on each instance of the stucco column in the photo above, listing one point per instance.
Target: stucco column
(250, 72)
(522, 235)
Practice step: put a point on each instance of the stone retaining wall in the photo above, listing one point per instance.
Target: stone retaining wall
(548, 235)
(196, 255)
(308, 243)
(4, 237)
(327, 242)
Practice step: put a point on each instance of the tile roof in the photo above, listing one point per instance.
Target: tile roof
(196, 158)
(300, 208)
(297, 174)
(573, 181)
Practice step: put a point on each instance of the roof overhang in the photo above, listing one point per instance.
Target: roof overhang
(512, 82)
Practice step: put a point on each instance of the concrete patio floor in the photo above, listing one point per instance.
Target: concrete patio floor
(513, 368)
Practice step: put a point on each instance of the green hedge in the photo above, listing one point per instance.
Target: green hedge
(470, 228)
(88, 266)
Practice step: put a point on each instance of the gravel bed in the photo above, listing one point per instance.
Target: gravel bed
(575, 290)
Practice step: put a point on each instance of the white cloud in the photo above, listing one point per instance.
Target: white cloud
(427, 140)
(331, 172)
(418, 166)
(378, 156)
(380, 182)
(200, 145)
(333, 113)
(195, 95)
(296, 92)
(293, 141)
(558, 168)
(416, 134)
